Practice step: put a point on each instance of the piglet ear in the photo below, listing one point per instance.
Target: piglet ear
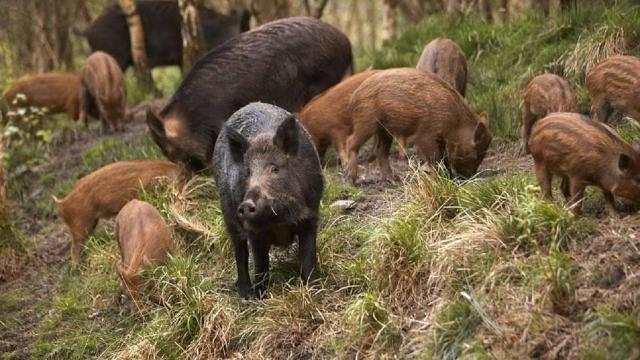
(237, 143)
(286, 137)
(482, 135)
(625, 163)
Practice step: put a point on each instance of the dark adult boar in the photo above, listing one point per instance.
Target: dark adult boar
(584, 152)
(613, 85)
(545, 94)
(444, 58)
(284, 62)
(58, 92)
(161, 23)
(103, 83)
(101, 194)
(144, 240)
(407, 102)
(327, 116)
(270, 182)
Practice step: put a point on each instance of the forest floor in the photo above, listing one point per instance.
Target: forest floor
(33, 293)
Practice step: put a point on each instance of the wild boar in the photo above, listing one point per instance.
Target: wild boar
(161, 23)
(407, 102)
(270, 182)
(584, 152)
(103, 83)
(444, 58)
(58, 92)
(101, 194)
(327, 118)
(144, 240)
(545, 94)
(284, 62)
(613, 85)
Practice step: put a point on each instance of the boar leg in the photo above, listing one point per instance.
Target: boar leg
(340, 142)
(577, 193)
(565, 188)
(601, 110)
(83, 107)
(359, 136)
(241, 251)
(79, 233)
(382, 153)
(544, 179)
(402, 148)
(260, 250)
(611, 203)
(527, 123)
(307, 232)
(428, 150)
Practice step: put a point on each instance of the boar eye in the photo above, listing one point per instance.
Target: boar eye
(274, 168)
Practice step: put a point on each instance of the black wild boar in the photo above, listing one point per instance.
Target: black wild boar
(284, 62)
(270, 182)
(161, 23)
(103, 83)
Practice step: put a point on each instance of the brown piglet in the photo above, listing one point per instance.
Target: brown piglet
(103, 83)
(613, 85)
(144, 240)
(57, 92)
(101, 194)
(407, 102)
(584, 152)
(543, 95)
(444, 58)
(327, 118)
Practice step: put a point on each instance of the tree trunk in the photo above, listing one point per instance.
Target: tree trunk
(138, 51)
(454, 7)
(268, 10)
(315, 11)
(390, 20)
(192, 37)
(485, 10)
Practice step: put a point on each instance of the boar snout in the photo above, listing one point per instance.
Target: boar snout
(247, 209)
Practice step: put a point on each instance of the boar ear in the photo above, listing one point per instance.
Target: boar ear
(483, 118)
(155, 124)
(237, 143)
(625, 163)
(481, 134)
(286, 137)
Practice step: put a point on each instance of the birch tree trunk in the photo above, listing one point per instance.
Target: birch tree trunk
(193, 45)
(390, 20)
(138, 51)
(315, 11)
(268, 10)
